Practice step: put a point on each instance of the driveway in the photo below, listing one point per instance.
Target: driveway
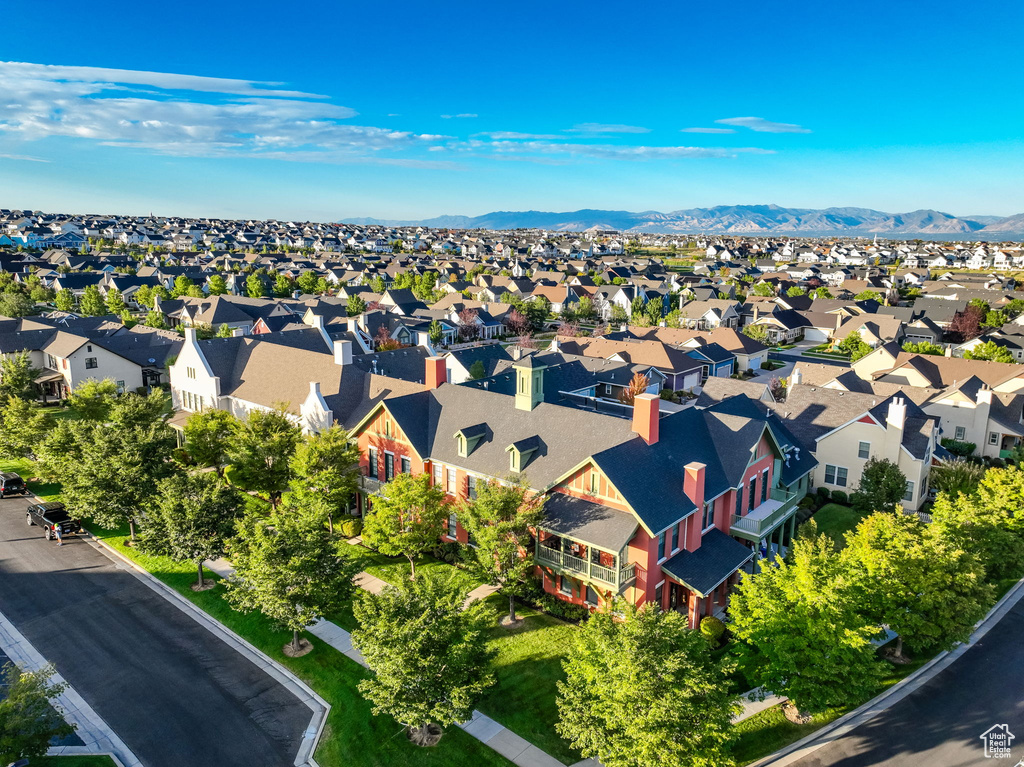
(940, 725)
(177, 695)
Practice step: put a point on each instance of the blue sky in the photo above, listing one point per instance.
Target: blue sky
(327, 110)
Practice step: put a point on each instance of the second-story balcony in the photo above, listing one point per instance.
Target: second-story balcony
(761, 520)
(370, 485)
(618, 576)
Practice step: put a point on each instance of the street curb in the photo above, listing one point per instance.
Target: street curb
(846, 723)
(288, 680)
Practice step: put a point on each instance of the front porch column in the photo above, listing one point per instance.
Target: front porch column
(722, 591)
(792, 529)
(693, 608)
(708, 607)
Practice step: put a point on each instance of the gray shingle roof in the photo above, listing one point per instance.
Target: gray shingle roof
(586, 521)
(718, 557)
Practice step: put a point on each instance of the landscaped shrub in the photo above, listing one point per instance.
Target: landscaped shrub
(998, 463)
(808, 502)
(447, 551)
(956, 447)
(838, 496)
(562, 609)
(823, 494)
(712, 629)
(352, 527)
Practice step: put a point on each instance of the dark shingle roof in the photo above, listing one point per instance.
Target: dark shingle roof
(586, 521)
(718, 557)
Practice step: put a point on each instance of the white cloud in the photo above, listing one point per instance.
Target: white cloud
(707, 130)
(607, 128)
(761, 125)
(459, 116)
(503, 135)
(615, 151)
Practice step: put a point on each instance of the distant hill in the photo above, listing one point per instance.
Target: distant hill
(731, 219)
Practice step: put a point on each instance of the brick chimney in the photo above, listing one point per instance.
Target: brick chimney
(693, 487)
(437, 372)
(645, 417)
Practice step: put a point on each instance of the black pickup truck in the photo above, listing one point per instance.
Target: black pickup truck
(51, 515)
(11, 484)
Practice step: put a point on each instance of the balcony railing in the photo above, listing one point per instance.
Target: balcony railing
(578, 566)
(757, 524)
(369, 484)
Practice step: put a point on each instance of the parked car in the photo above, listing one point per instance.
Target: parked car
(12, 484)
(51, 515)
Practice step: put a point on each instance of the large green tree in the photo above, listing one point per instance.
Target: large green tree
(406, 518)
(924, 587)
(23, 427)
(17, 377)
(882, 486)
(325, 472)
(499, 521)
(803, 636)
(191, 518)
(261, 450)
(355, 306)
(217, 285)
(92, 304)
(207, 436)
(291, 569)
(92, 399)
(115, 302)
(644, 691)
(28, 720)
(429, 655)
(64, 300)
(983, 530)
(989, 350)
(15, 304)
(254, 286)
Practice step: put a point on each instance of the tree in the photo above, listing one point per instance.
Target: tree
(436, 333)
(966, 325)
(989, 350)
(181, 286)
(191, 519)
(282, 286)
(15, 305)
(429, 655)
(882, 486)
(17, 377)
(92, 399)
(92, 304)
(619, 314)
(821, 292)
(637, 385)
(759, 333)
(323, 287)
(924, 347)
(955, 476)
(260, 451)
(925, 588)
(653, 310)
(499, 522)
(801, 609)
(636, 308)
(23, 428)
(645, 691)
(325, 472)
(28, 720)
(355, 306)
(155, 319)
(982, 530)
(115, 302)
(585, 308)
(995, 319)
(1003, 489)
(468, 329)
(855, 346)
(795, 291)
(291, 569)
(477, 370)
(225, 331)
(64, 300)
(406, 518)
(765, 289)
(254, 286)
(217, 285)
(207, 436)
(307, 281)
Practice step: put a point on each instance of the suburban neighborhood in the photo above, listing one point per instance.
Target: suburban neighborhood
(438, 491)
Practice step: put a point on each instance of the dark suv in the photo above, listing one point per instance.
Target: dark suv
(11, 484)
(51, 515)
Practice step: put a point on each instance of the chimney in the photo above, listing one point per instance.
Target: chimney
(342, 352)
(897, 415)
(693, 488)
(755, 314)
(645, 417)
(949, 350)
(314, 388)
(190, 336)
(796, 377)
(985, 396)
(437, 372)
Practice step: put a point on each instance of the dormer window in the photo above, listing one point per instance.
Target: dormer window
(519, 453)
(467, 439)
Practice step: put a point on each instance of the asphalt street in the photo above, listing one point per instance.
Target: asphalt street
(176, 694)
(941, 724)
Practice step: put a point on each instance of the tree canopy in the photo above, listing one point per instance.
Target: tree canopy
(406, 518)
(882, 486)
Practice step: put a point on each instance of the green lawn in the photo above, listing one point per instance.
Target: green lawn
(354, 737)
(835, 520)
(769, 730)
(91, 760)
(395, 569)
(47, 491)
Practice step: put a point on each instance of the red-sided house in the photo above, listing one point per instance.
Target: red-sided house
(662, 507)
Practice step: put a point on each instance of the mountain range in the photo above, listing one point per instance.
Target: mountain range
(731, 219)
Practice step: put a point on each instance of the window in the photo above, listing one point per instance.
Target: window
(764, 486)
(661, 546)
(452, 525)
(864, 450)
(51, 362)
(88, 348)
(406, 465)
(753, 493)
(90, 363)
(593, 483)
(591, 596)
(739, 502)
(190, 372)
(438, 474)
(673, 538)
(909, 495)
(387, 428)
(960, 434)
(450, 487)
(565, 586)
(993, 438)
(709, 516)
(371, 469)
(835, 475)
(471, 486)
(389, 466)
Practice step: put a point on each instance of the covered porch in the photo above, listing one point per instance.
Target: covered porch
(586, 541)
(770, 527)
(699, 581)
